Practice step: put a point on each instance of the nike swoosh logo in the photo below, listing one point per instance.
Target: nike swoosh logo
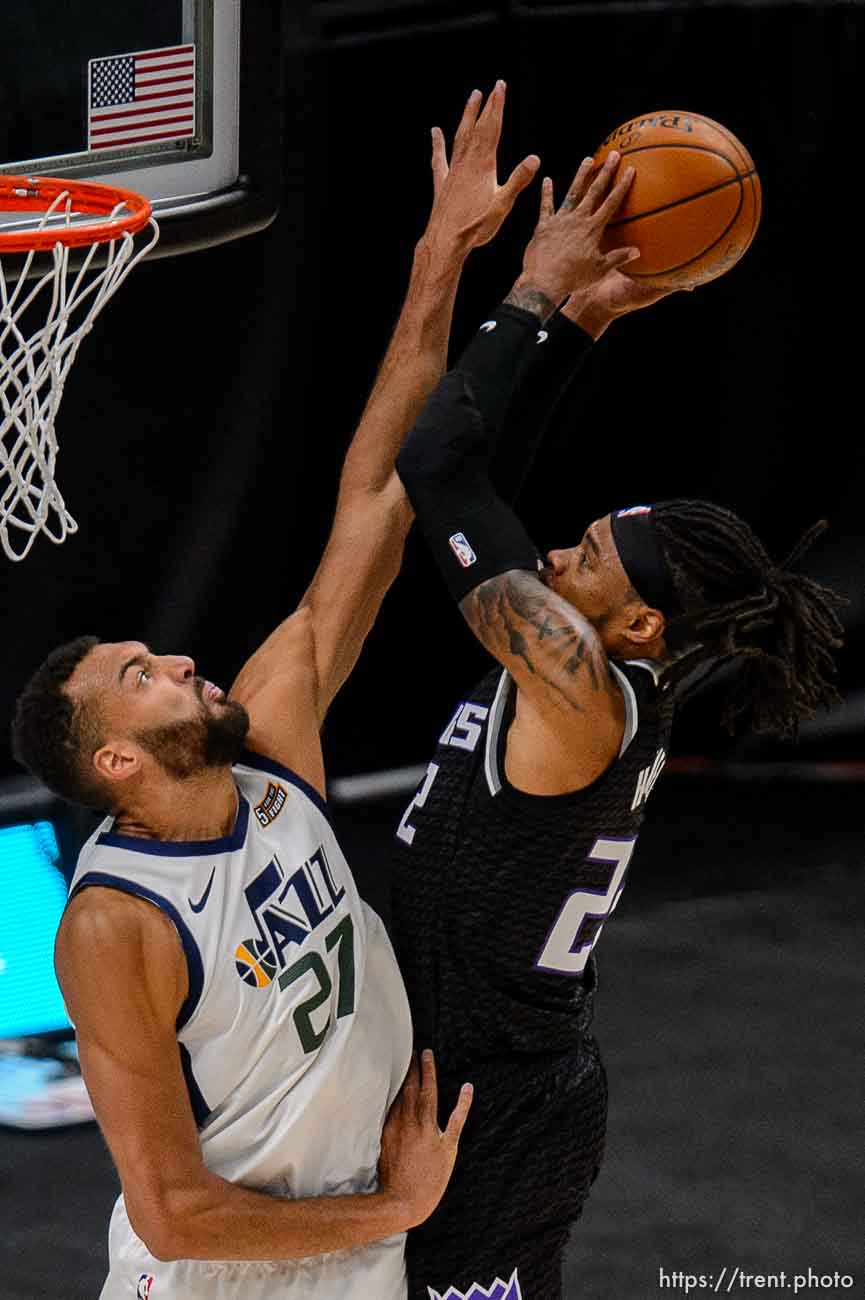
(488, 326)
(202, 902)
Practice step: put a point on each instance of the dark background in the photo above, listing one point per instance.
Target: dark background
(206, 417)
(202, 433)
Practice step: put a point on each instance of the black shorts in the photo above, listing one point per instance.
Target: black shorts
(530, 1151)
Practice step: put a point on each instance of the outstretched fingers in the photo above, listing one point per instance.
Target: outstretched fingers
(467, 123)
(411, 1086)
(601, 182)
(522, 175)
(439, 159)
(459, 1114)
(490, 120)
(578, 186)
(616, 196)
(428, 1093)
(548, 204)
(427, 1102)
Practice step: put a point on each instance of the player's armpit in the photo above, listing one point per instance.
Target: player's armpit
(570, 720)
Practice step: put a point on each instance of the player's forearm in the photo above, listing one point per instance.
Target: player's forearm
(518, 375)
(224, 1221)
(456, 433)
(413, 364)
(555, 361)
(444, 468)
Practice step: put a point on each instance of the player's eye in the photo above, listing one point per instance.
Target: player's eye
(143, 676)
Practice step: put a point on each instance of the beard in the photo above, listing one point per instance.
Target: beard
(184, 749)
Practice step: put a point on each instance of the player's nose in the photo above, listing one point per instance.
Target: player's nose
(181, 667)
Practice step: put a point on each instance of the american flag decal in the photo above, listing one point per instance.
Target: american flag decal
(139, 98)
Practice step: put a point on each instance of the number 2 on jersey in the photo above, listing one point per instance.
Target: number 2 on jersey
(405, 831)
(462, 732)
(577, 927)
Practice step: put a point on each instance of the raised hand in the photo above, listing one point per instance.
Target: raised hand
(565, 254)
(417, 1158)
(469, 205)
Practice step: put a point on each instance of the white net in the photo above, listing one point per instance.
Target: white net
(44, 315)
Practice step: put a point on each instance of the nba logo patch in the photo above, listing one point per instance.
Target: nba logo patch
(145, 1282)
(461, 548)
(499, 1290)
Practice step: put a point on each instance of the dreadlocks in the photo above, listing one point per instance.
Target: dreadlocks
(781, 628)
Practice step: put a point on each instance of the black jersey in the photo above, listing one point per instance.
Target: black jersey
(499, 896)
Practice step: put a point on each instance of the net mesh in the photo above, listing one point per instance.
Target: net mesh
(44, 315)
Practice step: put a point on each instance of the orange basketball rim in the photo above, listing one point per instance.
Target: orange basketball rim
(116, 211)
(66, 250)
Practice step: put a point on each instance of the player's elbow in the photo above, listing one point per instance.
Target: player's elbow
(166, 1223)
(415, 467)
(156, 1229)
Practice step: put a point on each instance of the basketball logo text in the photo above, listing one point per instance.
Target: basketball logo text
(287, 906)
(625, 135)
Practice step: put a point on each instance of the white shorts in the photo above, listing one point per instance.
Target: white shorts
(374, 1272)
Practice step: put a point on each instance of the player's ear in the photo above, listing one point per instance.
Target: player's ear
(117, 760)
(646, 625)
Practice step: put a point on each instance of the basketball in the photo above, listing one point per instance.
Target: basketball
(694, 204)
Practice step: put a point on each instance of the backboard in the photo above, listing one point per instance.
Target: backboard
(179, 100)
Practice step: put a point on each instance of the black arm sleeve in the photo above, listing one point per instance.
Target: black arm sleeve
(518, 374)
(552, 364)
(499, 384)
(471, 532)
(499, 355)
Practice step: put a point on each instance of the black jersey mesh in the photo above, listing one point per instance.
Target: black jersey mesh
(476, 894)
(530, 1152)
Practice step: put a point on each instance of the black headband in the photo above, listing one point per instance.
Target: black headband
(642, 558)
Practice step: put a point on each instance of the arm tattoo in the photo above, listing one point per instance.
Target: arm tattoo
(515, 616)
(530, 299)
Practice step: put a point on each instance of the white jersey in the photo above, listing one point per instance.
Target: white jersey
(294, 1038)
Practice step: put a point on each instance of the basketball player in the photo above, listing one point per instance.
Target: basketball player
(514, 850)
(242, 1025)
